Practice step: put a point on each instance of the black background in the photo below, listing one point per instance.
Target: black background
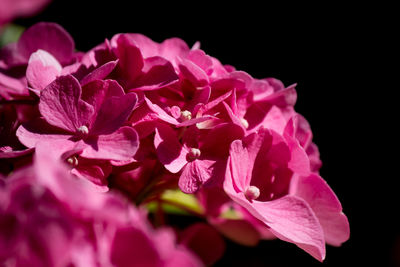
(335, 53)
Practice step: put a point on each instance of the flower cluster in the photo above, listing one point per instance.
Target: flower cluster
(133, 119)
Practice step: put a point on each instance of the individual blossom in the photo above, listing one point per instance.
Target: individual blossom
(90, 122)
(268, 175)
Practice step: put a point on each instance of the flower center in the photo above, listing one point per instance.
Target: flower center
(244, 122)
(252, 192)
(186, 115)
(73, 161)
(194, 153)
(83, 130)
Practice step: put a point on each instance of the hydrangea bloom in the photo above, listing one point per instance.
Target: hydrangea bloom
(147, 119)
(50, 218)
(10, 9)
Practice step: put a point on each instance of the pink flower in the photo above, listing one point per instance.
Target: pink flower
(50, 218)
(260, 177)
(46, 36)
(10, 9)
(89, 121)
(201, 157)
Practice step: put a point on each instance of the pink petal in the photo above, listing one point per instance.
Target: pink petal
(39, 130)
(193, 73)
(131, 245)
(161, 113)
(12, 86)
(50, 37)
(169, 151)
(157, 73)
(61, 105)
(283, 98)
(113, 113)
(130, 57)
(173, 48)
(99, 73)
(326, 207)
(289, 218)
(194, 175)
(95, 172)
(194, 121)
(217, 143)
(8, 152)
(198, 237)
(42, 69)
(97, 91)
(120, 145)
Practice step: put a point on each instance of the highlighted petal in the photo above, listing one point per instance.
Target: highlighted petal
(42, 69)
(120, 145)
(169, 151)
(326, 206)
(50, 37)
(61, 105)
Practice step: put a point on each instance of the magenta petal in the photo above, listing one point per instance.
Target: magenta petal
(291, 219)
(12, 86)
(169, 151)
(39, 130)
(100, 73)
(113, 113)
(193, 73)
(161, 113)
(198, 237)
(50, 37)
(130, 57)
(194, 121)
(194, 175)
(120, 145)
(97, 91)
(326, 207)
(42, 69)
(157, 73)
(7, 152)
(61, 106)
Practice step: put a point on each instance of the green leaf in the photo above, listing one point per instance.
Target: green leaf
(10, 33)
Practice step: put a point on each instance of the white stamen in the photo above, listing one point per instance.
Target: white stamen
(244, 122)
(186, 115)
(83, 130)
(73, 161)
(194, 153)
(252, 192)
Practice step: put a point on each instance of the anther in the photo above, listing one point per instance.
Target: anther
(244, 122)
(252, 192)
(73, 161)
(186, 115)
(194, 153)
(83, 130)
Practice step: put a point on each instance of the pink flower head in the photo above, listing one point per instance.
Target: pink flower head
(10, 9)
(90, 121)
(259, 177)
(46, 36)
(50, 218)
